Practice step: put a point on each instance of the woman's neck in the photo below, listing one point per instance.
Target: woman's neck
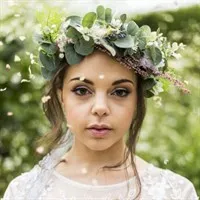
(80, 155)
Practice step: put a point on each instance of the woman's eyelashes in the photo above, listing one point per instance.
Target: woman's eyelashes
(82, 91)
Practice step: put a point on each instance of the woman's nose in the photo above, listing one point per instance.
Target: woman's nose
(100, 105)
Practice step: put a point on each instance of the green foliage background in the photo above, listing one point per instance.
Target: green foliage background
(171, 132)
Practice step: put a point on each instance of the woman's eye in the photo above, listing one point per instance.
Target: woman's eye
(80, 91)
(122, 93)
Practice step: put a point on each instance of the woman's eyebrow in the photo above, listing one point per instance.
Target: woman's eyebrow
(114, 83)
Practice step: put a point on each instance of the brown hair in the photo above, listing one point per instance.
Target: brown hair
(54, 112)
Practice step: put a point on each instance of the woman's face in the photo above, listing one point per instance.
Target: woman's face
(99, 100)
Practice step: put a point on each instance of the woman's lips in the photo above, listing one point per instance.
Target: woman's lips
(99, 132)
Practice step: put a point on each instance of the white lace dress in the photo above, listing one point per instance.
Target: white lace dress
(157, 184)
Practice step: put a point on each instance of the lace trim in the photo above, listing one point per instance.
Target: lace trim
(117, 185)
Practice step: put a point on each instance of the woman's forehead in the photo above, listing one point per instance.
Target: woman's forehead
(100, 66)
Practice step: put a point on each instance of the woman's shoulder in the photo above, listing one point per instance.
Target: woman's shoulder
(165, 182)
(21, 183)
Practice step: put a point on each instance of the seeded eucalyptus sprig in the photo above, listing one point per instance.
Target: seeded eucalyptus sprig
(135, 47)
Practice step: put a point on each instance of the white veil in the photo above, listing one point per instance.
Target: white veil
(42, 171)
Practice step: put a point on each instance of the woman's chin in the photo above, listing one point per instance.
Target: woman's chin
(98, 146)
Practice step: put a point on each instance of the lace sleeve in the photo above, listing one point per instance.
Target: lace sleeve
(182, 188)
(9, 193)
(190, 193)
(17, 188)
(12, 191)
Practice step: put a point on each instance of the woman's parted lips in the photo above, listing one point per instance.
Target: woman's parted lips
(99, 126)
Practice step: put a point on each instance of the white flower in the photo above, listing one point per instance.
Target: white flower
(116, 22)
(157, 88)
(61, 55)
(158, 101)
(61, 41)
(176, 55)
(97, 31)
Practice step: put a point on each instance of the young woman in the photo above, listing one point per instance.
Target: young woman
(99, 94)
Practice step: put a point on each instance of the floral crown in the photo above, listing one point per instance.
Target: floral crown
(135, 47)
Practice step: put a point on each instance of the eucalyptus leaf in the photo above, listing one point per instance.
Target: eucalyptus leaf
(141, 39)
(132, 28)
(74, 20)
(155, 54)
(71, 56)
(148, 83)
(129, 51)
(123, 18)
(73, 34)
(142, 35)
(39, 38)
(47, 61)
(100, 12)
(108, 15)
(108, 47)
(148, 93)
(88, 19)
(49, 48)
(47, 74)
(146, 30)
(126, 42)
(83, 47)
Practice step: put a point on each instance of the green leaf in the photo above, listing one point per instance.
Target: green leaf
(74, 20)
(88, 19)
(148, 94)
(83, 47)
(123, 18)
(147, 84)
(108, 15)
(132, 28)
(101, 12)
(165, 84)
(126, 42)
(129, 51)
(71, 56)
(73, 34)
(141, 40)
(108, 47)
(47, 74)
(47, 61)
(39, 38)
(142, 35)
(146, 30)
(49, 16)
(49, 48)
(155, 54)
(142, 43)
